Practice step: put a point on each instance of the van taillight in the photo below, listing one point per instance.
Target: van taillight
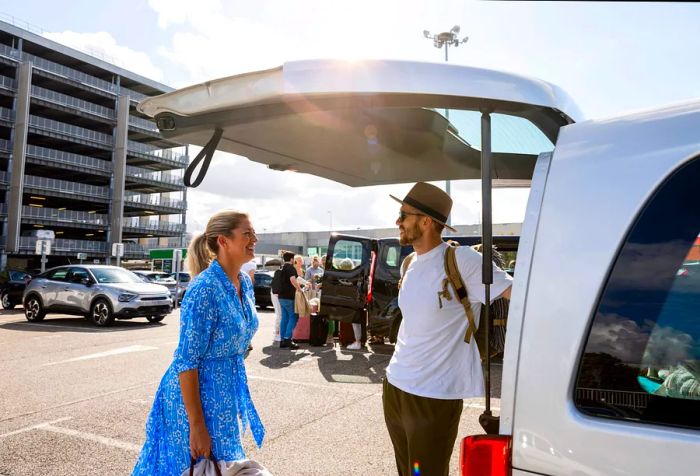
(486, 455)
(370, 282)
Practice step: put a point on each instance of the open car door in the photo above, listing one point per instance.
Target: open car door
(346, 277)
(376, 122)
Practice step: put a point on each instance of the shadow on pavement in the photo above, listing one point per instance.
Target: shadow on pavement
(364, 366)
(78, 324)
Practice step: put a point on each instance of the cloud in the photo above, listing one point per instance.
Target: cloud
(102, 45)
(648, 343)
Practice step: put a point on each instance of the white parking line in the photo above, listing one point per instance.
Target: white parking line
(109, 353)
(34, 427)
(92, 437)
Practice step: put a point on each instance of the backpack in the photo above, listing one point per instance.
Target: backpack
(455, 279)
(276, 284)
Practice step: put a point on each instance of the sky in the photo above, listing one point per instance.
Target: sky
(611, 58)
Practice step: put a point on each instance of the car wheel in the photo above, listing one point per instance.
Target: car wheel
(33, 309)
(155, 318)
(101, 313)
(6, 303)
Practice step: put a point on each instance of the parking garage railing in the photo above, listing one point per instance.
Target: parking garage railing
(65, 245)
(135, 96)
(156, 226)
(70, 101)
(5, 145)
(71, 130)
(134, 249)
(167, 154)
(8, 83)
(65, 216)
(153, 175)
(143, 124)
(3, 178)
(70, 73)
(69, 158)
(9, 52)
(151, 200)
(6, 114)
(81, 190)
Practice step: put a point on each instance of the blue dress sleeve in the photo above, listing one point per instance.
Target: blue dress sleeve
(198, 317)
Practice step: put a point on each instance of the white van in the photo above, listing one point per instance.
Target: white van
(601, 372)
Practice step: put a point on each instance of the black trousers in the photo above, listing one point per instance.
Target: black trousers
(422, 430)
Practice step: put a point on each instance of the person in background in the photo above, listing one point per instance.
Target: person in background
(288, 287)
(299, 265)
(204, 393)
(249, 268)
(313, 275)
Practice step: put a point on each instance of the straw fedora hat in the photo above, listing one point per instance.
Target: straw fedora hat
(429, 200)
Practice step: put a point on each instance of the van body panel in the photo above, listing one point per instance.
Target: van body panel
(602, 174)
(518, 301)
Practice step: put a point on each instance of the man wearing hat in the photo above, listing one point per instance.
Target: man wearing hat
(432, 368)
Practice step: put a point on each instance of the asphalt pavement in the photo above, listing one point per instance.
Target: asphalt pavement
(74, 399)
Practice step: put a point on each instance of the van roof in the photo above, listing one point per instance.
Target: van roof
(365, 122)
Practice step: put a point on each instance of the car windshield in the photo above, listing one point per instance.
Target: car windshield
(114, 275)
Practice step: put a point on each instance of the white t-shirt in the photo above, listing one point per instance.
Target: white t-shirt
(431, 358)
(249, 266)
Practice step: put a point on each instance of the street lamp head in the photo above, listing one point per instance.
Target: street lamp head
(455, 29)
(464, 40)
(426, 34)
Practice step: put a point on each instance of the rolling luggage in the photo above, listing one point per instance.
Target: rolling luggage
(301, 331)
(318, 332)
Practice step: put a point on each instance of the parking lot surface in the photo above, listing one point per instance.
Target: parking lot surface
(74, 399)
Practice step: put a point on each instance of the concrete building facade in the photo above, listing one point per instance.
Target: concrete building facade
(77, 161)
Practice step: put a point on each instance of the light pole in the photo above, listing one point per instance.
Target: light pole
(446, 38)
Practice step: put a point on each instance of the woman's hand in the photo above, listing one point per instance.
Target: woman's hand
(200, 441)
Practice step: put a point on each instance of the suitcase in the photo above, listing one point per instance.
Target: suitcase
(318, 332)
(346, 335)
(302, 329)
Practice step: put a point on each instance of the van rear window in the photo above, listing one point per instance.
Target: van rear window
(642, 358)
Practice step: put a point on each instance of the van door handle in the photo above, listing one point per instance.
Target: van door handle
(345, 282)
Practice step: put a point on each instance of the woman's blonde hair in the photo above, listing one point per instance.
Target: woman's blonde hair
(204, 248)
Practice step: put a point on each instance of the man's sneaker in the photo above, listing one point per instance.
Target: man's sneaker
(354, 346)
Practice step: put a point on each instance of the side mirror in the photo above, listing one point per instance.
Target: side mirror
(86, 281)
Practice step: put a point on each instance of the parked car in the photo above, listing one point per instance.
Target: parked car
(12, 283)
(99, 293)
(601, 365)
(370, 286)
(263, 280)
(159, 277)
(184, 281)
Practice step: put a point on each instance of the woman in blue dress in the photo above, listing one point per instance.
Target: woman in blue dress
(204, 393)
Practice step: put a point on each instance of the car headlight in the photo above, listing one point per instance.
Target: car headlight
(126, 297)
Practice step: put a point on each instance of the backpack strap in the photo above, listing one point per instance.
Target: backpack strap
(455, 278)
(404, 266)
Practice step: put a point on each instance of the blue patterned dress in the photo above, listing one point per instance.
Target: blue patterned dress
(215, 332)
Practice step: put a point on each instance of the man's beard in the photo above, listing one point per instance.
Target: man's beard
(410, 235)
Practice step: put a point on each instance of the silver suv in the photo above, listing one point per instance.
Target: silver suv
(99, 293)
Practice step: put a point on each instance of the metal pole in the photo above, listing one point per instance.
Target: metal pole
(488, 422)
(447, 116)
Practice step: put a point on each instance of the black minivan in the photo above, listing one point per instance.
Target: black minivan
(362, 274)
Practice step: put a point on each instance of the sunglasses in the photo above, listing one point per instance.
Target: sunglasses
(403, 215)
